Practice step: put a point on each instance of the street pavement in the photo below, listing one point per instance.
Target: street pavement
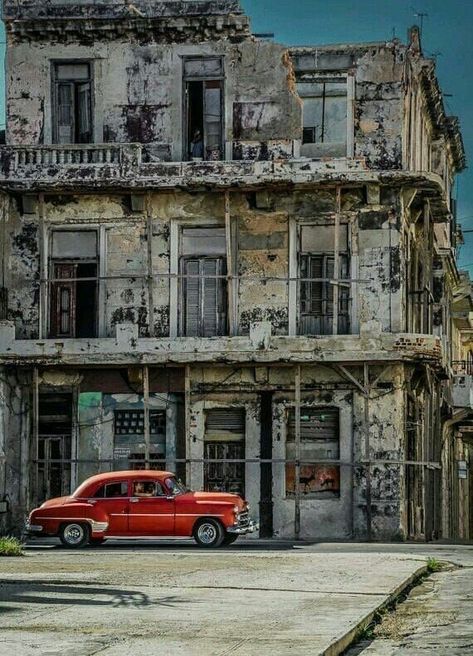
(171, 598)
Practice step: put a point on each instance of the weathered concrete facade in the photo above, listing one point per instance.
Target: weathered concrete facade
(227, 257)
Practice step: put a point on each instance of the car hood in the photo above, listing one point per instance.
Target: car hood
(218, 496)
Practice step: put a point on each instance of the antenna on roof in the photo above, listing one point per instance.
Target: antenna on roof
(420, 15)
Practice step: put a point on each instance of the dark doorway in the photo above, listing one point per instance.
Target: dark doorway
(54, 445)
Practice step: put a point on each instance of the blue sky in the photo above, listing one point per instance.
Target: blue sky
(447, 31)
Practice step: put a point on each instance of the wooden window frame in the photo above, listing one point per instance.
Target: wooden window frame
(185, 106)
(74, 83)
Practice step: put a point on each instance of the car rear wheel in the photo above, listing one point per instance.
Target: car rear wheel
(230, 539)
(209, 533)
(74, 534)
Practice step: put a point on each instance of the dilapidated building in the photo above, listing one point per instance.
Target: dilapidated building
(227, 257)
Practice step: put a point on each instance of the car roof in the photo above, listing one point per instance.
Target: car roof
(120, 476)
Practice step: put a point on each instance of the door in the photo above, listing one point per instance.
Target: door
(150, 511)
(112, 501)
(53, 473)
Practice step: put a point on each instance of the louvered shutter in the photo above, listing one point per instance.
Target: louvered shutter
(191, 287)
(65, 112)
(210, 305)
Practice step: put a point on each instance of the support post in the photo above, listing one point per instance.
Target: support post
(231, 278)
(43, 270)
(33, 490)
(366, 428)
(146, 416)
(297, 466)
(187, 410)
(150, 277)
(336, 262)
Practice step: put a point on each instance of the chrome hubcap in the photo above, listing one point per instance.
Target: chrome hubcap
(207, 533)
(73, 533)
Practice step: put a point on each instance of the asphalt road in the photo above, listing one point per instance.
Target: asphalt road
(171, 598)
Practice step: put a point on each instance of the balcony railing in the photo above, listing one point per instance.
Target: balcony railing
(19, 158)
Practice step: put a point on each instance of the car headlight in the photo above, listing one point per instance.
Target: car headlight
(236, 510)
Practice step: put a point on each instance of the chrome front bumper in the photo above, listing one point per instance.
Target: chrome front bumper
(242, 529)
(32, 529)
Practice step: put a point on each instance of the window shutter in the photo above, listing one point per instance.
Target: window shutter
(65, 112)
(316, 286)
(191, 287)
(84, 113)
(210, 318)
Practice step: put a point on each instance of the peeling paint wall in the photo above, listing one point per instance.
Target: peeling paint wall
(262, 246)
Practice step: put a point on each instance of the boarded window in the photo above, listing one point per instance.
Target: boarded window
(320, 440)
(74, 284)
(72, 101)
(203, 122)
(316, 289)
(225, 441)
(324, 117)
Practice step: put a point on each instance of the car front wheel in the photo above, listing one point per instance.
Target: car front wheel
(209, 533)
(74, 535)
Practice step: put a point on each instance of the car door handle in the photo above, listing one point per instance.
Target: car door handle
(134, 500)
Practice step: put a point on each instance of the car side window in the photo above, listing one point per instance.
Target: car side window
(147, 489)
(111, 490)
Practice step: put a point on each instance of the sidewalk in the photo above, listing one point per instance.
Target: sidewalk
(437, 618)
(154, 599)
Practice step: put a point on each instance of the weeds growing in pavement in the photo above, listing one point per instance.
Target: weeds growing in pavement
(10, 546)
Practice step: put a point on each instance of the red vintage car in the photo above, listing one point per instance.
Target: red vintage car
(141, 504)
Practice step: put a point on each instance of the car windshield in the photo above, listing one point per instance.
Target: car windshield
(175, 486)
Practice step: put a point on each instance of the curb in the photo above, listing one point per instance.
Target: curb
(341, 644)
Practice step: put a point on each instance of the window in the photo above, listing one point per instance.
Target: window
(225, 440)
(74, 284)
(203, 125)
(148, 488)
(316, 292)
(72, 102)
(324, 117)
(129, 441)
(203, 282)
(112, 490)
(320, 440)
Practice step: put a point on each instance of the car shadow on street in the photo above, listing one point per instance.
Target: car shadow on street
(81, 595)
(177, 545)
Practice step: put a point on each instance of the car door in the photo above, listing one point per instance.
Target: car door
(112, 501)
(151, 511)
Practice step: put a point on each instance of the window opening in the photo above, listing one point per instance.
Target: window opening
(129, 442)
(320, 440)
(72, 94)
(204, 108)
(225, 440)
(74, 286)
(325, 115)
(203, 283)
(316, 290)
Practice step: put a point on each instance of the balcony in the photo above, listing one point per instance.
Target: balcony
(127, 166)
(260, 347)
